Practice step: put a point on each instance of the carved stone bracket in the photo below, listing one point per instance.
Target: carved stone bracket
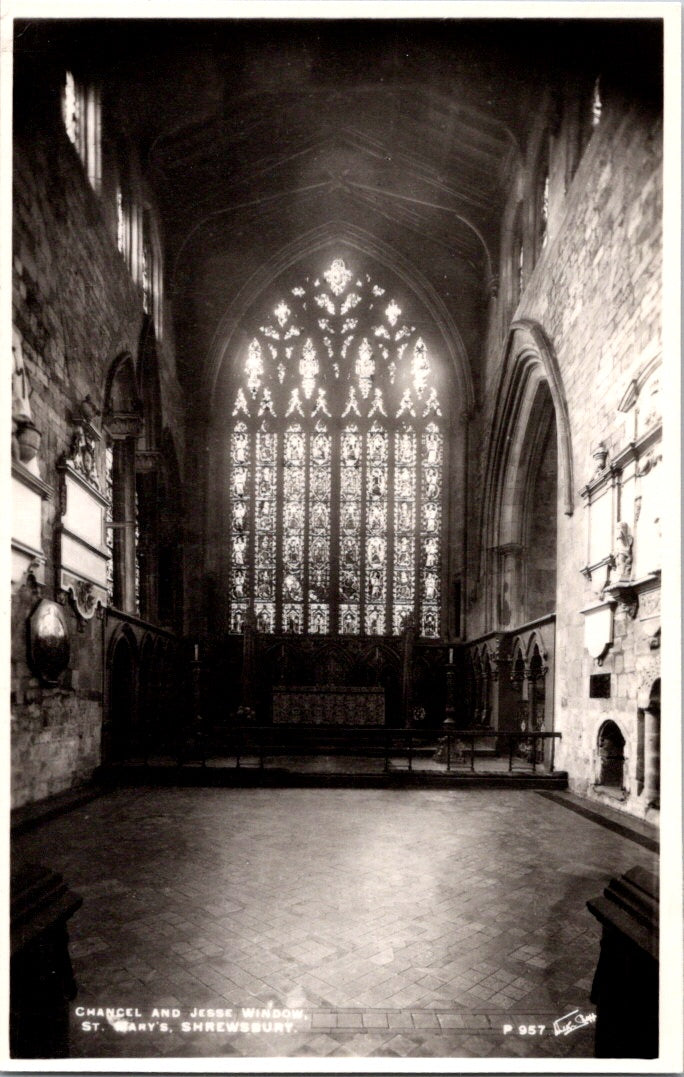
(625, 595)
(122, 424)
(85, 595)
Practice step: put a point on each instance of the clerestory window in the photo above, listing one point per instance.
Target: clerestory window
(336, 471)
(81, 114)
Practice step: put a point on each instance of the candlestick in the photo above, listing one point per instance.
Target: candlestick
(196, 652)
(451, 656)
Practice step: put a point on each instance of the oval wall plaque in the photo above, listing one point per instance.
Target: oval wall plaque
(49, 647)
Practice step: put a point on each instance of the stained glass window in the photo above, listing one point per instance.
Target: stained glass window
(336, 463)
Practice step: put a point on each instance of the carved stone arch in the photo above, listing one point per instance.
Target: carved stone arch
(121, 399)
(334, 658)
(528, 460)
(611, 743)
(527, 352)
(535, 641)
(518, 657)
(125, 631)
(381, 650)
(122, 670)
(222, 345)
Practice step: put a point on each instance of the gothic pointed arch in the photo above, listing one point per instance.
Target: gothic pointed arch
(528, 472)
(339, 235)
(334, 411)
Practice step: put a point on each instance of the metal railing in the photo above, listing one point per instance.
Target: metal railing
(394, 748)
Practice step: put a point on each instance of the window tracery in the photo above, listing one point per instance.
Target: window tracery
(336, 465)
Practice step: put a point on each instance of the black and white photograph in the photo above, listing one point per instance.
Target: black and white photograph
(344, 523)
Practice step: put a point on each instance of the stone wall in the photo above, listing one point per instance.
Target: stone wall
(595, 291)
(75, 308)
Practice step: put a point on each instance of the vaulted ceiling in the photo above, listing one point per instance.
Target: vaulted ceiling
(256, 134)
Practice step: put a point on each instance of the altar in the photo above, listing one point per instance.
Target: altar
(328, 704)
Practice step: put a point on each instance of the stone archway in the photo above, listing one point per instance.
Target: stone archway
(611, 756)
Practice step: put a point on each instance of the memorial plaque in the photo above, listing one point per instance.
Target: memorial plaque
(49, 647)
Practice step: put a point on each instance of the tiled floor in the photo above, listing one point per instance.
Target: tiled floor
(400, 923)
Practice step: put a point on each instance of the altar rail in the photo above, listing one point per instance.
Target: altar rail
(240, 746)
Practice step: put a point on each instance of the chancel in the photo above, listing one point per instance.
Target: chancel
(336, 552)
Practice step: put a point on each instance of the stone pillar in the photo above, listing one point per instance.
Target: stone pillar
(652, 757)
(123, 512)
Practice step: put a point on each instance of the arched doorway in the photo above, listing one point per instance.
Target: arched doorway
(611, 756)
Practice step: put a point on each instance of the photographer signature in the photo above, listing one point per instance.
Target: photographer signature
(570, 1022)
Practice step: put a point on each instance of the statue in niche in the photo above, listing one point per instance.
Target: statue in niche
(81, 455)
(623, 552)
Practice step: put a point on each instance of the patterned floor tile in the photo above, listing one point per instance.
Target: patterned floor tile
(403, 923)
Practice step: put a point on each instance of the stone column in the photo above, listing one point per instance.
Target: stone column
(123, 511)
(652, 757)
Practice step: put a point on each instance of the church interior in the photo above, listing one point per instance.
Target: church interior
(336, 534)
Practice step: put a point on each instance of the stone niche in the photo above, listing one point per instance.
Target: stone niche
(82, 551)
(623, 500)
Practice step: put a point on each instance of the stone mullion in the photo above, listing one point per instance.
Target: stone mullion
(363, 529)
(335, 516)
(391, 522)
(280, 498)
(250, 556)
(305, 531)
(417, 523)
